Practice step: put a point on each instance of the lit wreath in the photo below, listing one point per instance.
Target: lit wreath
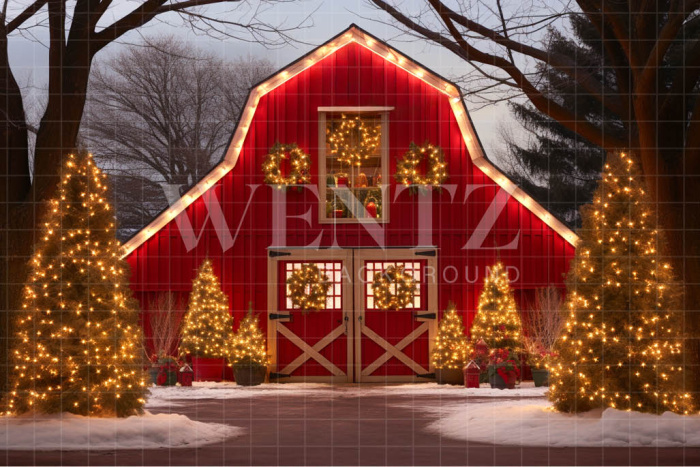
(393, 289)
(349, 152)
(299, 160)
(406, 168)
(308, 288)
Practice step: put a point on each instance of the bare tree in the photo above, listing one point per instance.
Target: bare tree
(165, 316)
(77, 31)
(657, 105)
(545, 321)
(162, 112)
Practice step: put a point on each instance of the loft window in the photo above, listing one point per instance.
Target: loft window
(353, 164)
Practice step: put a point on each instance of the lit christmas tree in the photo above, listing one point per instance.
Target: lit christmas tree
(208, 327)
(497, 320)
(451, 347)
(78, 340)
(622, 346)
(249, 342)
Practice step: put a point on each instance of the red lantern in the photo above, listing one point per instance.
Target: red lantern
(471, 375)
(186, 375)
(342, 180)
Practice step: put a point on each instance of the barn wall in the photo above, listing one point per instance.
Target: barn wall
(353, 76)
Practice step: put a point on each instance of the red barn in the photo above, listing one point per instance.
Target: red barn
(351, 222)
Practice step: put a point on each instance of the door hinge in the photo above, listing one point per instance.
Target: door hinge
(426, 253)
(425, 315)
(427, 375)
(279, 375)
(275, 254)
(274, 316)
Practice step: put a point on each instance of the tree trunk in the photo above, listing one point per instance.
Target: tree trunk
(56, 137)
(15, 183)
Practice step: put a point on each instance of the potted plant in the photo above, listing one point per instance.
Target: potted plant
(164, 315)
(167, 375)
(450, 349)
(248, 354)
(539, 360)
(207, 326)
(545, 323)
(503, 369)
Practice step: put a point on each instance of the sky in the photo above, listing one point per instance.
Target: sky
(326, 18)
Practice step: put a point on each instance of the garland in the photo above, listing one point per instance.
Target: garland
(300, 163)
(406, 168)
(349, 152)
(393, 288)
(308, 287)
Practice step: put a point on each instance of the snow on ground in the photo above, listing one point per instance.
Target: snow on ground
(161, 396)
(164, 396)
(533, 423)
(68, 432)
(526, 389)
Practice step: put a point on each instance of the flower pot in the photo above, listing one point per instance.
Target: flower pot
(512, 378)
(449, 376)
(153, 372)
(497, 382)
(540, 376)
(249, 375)
(208, 369)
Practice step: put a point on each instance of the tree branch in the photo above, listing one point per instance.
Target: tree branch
(469, 54)
(30, 11)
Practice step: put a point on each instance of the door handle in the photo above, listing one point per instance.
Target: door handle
(346, 320)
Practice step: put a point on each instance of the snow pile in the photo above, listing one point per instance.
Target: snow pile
(533, 423)
(162, 395)
(68, 432)
(526, 389)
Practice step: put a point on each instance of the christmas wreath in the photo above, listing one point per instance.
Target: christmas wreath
(393, 288)
(307, 288)
(299, 162)
(407, 167)
(354, 140)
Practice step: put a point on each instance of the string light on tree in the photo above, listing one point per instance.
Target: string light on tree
(307, 288)
(248, 347)
(393, 289)
(298, 159)
(622, 346)
(78, 339)
(207, 326)
(354, 140)
(497, 320)
(407, 172)
(451, 346)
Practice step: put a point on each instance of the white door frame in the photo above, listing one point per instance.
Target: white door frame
(429, 325)
(353, 289)
(275, 326)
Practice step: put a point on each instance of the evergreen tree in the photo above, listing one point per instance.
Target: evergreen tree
(497, 320)
(451, 346)
(623, 344)
(249, 342)
(78, 337)
(208, 325)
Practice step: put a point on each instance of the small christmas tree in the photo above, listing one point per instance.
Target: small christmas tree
(208, 327)
(451, 346)
(622, 346)
(249, 342)
(78, 341)
(497, 320)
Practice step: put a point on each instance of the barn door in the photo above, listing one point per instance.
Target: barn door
(351, 340)
(394, 346)
(314, 346)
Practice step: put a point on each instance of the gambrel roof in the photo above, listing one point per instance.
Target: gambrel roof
(364, 39)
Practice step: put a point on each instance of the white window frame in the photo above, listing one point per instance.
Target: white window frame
(384, 150)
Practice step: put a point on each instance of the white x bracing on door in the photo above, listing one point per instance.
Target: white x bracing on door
(350, 340)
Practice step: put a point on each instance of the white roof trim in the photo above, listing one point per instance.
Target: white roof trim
(358, 36)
